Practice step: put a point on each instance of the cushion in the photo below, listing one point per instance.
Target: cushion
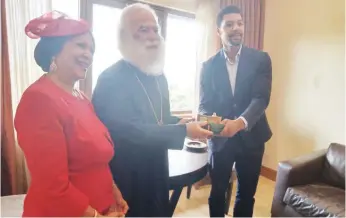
(334, 166)
(316, 200)
(12, 205)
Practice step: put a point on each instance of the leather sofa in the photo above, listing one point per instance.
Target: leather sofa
(312, 185)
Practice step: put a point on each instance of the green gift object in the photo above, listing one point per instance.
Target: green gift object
(216, 128)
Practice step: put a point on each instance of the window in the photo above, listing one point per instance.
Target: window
(178, 28)
(106, 52)
(70, 7)
(180, 67)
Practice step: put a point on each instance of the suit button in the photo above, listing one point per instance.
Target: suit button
(234, 105)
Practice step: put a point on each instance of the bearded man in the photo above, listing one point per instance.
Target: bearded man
(132, 99)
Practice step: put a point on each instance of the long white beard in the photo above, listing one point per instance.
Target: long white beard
(150, 61)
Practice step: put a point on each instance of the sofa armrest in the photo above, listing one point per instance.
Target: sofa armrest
(298, 171)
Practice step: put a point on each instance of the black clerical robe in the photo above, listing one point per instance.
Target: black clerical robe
(140, 164)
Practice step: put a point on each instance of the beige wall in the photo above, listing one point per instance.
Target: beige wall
(306, 41)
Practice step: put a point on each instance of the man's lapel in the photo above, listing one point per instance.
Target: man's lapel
(243, 70)
(222, 78)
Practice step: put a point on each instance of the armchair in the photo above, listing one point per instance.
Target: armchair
(312, 185)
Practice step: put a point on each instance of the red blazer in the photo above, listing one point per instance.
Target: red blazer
(67, 150)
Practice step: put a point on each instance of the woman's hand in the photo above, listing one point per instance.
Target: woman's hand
(114, 214)
(120, 205)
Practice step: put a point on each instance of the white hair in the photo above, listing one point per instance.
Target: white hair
(127, 12)
(149, 61)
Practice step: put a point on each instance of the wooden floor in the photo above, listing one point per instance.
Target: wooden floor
(197, 205)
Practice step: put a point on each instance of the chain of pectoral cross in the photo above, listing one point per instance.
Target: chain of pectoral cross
(159, 122)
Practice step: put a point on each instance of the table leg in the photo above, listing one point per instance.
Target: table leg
(173, 201)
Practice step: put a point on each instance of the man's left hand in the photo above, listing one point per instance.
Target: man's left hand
(232, 127)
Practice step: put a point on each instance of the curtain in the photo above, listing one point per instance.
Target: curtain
(253, 15)
(207, 46)
(8, 151)
(207, 42)
(23, 69)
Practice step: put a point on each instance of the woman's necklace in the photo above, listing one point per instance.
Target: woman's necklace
(159, 121)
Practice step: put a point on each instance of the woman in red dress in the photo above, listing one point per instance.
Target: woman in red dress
(67, 148)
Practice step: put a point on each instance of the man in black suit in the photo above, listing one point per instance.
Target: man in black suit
(236, 84)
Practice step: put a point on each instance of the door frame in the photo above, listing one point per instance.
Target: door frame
(86, 13)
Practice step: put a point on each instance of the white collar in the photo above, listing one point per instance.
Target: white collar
(237, 56)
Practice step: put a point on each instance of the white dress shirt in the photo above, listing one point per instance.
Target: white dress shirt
(232, 68)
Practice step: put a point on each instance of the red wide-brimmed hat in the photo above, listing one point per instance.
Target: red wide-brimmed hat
(55, 24)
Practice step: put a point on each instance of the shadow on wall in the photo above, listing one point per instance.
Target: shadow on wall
(307, 108)
(276, 106)
(297, 144)
(306, 112)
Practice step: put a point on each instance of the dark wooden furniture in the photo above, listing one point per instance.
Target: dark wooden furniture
(185, 169)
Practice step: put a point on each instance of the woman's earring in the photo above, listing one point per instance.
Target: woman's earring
(53, 67)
